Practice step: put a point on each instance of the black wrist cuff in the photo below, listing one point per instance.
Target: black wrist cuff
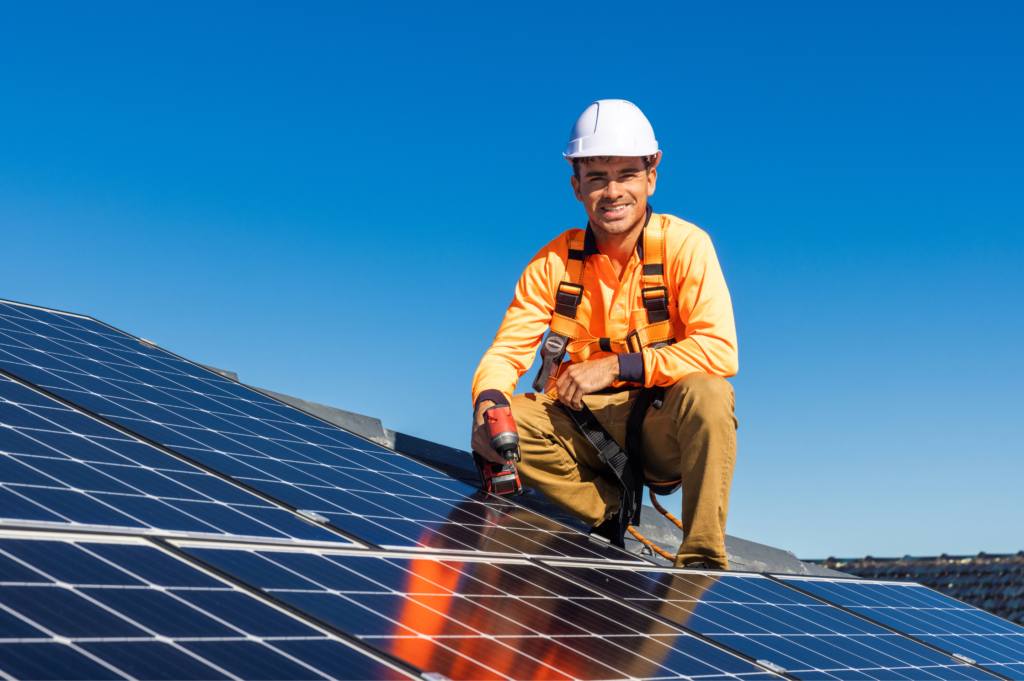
(631, 367)
(495, 396)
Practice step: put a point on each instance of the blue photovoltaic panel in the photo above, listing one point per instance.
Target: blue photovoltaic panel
(480, 619)
(61, 466)
(92, 610)
(930, 616)
(383, 497)
(768, 621)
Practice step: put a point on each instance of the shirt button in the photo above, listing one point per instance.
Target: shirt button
(618, 307)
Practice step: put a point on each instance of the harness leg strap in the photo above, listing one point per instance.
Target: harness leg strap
(619, 470)
(644, 399)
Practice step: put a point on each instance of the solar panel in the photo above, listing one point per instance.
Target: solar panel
(929, 616)
(367, 490)
(60, 466)
(233, 581)
(115, 609)
(471, 619)
(768, 621)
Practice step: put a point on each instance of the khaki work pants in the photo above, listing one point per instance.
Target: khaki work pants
(693, 437)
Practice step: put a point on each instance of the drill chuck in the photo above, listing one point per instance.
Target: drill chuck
(506, 444)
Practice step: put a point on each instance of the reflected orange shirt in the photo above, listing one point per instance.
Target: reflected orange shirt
(700, 309)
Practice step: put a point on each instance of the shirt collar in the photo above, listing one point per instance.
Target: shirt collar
(590, 241)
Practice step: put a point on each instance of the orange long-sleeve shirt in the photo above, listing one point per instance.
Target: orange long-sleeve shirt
(700, 309)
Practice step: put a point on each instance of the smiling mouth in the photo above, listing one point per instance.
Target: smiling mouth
(614, 211)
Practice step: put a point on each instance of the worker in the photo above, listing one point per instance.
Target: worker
(640, 339)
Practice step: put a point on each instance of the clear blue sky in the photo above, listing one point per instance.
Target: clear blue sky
(335, 201)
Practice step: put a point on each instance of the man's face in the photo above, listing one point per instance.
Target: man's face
(614, 191)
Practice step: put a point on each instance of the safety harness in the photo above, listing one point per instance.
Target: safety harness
(568, 336)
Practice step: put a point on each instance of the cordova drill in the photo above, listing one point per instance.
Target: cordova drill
(500, 478)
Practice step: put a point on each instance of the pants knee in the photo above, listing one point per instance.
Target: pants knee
(707, 396)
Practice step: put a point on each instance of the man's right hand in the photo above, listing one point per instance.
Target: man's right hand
(481, 440)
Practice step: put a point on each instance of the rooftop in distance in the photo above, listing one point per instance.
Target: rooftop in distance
(993, 582)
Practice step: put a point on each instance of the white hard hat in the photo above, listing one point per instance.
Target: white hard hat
(611, 127)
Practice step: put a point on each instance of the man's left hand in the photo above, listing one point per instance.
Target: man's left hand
(585, 378)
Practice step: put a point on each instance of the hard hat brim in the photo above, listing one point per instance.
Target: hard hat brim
(612, 150)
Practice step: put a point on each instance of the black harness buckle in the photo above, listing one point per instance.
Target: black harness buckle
(568, 298)
(656, 305)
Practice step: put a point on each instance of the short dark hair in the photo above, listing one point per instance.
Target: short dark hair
(576, 163)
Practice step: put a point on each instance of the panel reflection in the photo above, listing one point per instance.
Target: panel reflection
(481, 620)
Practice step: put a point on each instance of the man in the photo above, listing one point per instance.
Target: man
(639, 313)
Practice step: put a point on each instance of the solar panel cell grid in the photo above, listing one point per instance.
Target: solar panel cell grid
(472, 620)
(931, 617)
(383, 497)
(63, 467)
(768, 621)
(183, 625)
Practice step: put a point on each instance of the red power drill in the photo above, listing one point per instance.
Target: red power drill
(500, 478)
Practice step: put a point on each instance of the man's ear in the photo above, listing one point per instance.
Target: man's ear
(576, 187)
(652, 174)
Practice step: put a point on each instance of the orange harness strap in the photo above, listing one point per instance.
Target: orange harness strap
(658, 331)
(564, 327)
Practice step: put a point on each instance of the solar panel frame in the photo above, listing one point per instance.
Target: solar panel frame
(737, 640)
(800, 583)
(527, 532)
(195, 549)
(185, 609)
(101, 438)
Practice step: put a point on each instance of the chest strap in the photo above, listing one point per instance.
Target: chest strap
(658, 332)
